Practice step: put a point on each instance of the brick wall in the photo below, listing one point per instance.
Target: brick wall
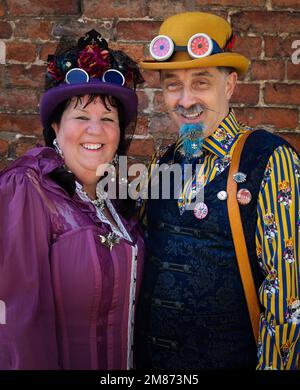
(29, 29)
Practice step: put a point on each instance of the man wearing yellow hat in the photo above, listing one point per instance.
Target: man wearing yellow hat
(221, 283)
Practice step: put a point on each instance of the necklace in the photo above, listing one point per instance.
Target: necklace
(99, 202)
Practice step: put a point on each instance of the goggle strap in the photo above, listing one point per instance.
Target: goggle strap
(216, 48)
(180, 48)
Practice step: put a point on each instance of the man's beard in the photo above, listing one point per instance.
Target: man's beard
(191, 135)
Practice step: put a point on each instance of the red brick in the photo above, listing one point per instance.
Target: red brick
(3, 147)
(292, 138)
(32, 29)
(24, 144)
(280, 118)
(133, 50)
(24, 124)
(163, 8)
(293, 72)
(266, 21)
(151, 78)
(113, 9)
(279, 46)
(231, 2)
(43, 7)
(142, 125)
(143, 101)
(22, 76)
(159, 103)
(20, 51)
(282, 94)
(285, 4)
(141, 147)
(5, 30)
(18, 99)
(142, 31)
(267, 70)
(246, 94)
(248, 46)
(162, 125)
(46, 49)
(3, 78)
(2, 9)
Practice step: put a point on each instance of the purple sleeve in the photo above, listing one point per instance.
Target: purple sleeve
(27, 316)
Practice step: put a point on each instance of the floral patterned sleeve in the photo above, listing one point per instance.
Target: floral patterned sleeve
(277, 244)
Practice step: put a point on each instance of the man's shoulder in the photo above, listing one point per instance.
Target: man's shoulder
(262, 139)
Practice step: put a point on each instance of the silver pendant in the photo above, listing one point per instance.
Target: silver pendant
(239, 177)
(110, 240)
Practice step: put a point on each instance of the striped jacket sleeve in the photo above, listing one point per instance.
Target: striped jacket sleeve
(277, 244)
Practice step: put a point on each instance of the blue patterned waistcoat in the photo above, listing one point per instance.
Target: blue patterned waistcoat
(192, 312)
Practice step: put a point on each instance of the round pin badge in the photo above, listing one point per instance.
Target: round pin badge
(244, 196)
(222, 195)
(200, 210)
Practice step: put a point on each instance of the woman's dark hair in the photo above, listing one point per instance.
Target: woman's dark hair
(66, 179)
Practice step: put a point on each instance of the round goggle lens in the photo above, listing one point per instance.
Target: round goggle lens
(113, 76)
(161, 48)
(200, 45)
(77, 76)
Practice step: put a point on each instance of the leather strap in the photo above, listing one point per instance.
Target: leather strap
(239, 239)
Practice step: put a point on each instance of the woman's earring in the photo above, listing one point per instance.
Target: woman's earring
(57, 148)
(115, 160)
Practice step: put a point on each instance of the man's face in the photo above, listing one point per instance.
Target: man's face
(191, 89)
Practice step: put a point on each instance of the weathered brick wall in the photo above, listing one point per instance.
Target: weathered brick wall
(29, 29)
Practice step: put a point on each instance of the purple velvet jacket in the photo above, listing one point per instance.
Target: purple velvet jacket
(67, 301)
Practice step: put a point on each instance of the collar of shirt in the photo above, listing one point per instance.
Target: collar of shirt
(221, 142)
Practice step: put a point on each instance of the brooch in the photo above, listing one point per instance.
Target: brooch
(110, 240)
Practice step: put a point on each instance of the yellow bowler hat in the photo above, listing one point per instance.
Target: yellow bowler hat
(196, 39)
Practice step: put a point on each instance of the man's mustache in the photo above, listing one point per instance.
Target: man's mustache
(194, 109)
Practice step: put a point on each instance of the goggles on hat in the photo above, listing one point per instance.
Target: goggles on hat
(78, 76)
(199, 45)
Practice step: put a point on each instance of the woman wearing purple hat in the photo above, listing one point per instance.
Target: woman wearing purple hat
(71, 259)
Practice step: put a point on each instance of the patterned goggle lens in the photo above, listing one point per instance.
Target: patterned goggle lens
(199, 45)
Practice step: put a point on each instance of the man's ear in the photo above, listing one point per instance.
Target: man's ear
(231, 81)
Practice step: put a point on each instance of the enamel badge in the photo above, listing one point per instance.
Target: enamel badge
(244, 196)
(200, 210)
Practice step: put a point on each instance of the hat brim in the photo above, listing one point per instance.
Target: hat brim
(234, 60)
(56, 95)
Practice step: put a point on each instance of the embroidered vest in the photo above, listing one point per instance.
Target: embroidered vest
(192, 313)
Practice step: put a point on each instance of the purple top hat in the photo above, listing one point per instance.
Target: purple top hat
(90, 68)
